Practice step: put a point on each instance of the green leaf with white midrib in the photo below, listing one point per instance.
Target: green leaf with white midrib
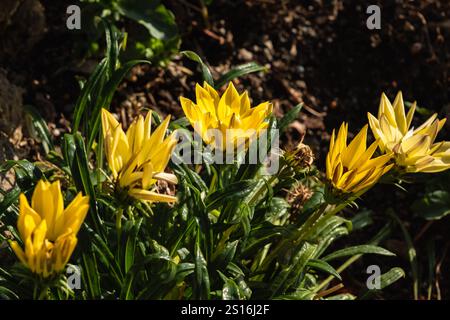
(361, 249)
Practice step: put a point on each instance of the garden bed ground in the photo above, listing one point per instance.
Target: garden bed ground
(318, 52)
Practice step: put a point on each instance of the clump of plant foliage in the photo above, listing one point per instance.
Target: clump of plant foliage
(114, 204)
(152, 32)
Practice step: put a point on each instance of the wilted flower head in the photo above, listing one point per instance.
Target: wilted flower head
(138, 158)
(351, 168)
(414, 149)
(299, 158)
(297, 197)
(48, 231)
(226, 120)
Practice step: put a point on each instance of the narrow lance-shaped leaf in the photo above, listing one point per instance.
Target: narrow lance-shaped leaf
(202, 286)
(41, 128)
(239, 71)
(207, 76)
(362, 249)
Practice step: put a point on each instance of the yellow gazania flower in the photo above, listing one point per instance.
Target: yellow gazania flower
(351, 168)
(212, 116)
(414, 149)
(48, 231)
(138, 158)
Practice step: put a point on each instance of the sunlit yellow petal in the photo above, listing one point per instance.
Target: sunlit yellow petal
(40, 227)
(152, 196)
(19, 252)
(147, 177)
(413, 148)
(355, 149)
(351, 168)
(232, 111)
(26, 213)
(410, 115)
(399, 110)
(42, 200)
(39, 235)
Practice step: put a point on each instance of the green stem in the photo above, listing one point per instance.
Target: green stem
(35, 290)
(44, 293)
(130, 213)
(296, 237)
(119, 215)
(214, 180)
(374, 241)
(305, 230)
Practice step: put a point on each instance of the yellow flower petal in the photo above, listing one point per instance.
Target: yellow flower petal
(42, 226)
(356, 148)
(351, 168)
(19, 252)
(399, 110)
(213, 117)
(412, 148)
(147, 195)
(28, 218)
(136, 157)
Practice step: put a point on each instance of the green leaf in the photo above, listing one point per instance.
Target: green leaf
(112, 46)
(325, 240)
(230, 290)
(182, 122)
(106, 97)
(323, 266)
(130, 247)
(431, 257)
(327, 225)
(6, 293)
(239, 71)
(207, 76)
(152, 258)
(9, 198)
(40, 125)
(82, 177)
(419, 109)
(386, 280)
(90, 275)
(192, 177)
(362, 249)
(391, 276)
(155, 17)
(82, 164)
(107, 259)
(289, 117)
(259, 237)
(92, 98)
(69, 148)
(26, 173)
(300, 294)
(433, 206)
(278, 210)
(362, 219)
(227, 254)
(86, 93)
(127, 288)
(342, 296)
(292, 272)
(201, 284)
(412, 254)
(236, 190)
(315, 201)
